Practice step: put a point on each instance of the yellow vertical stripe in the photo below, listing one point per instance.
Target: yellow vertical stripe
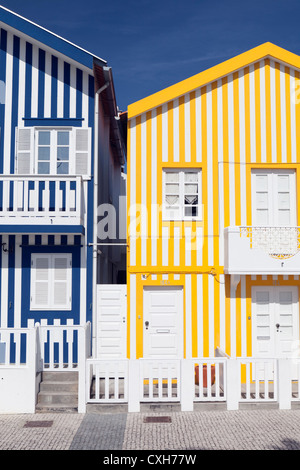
(181, 130)
(237, 177)
(193, 126)
(278, 112)
(247, 144)
(149, 144)
(257, 112)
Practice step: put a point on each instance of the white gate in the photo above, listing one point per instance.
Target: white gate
(111, 321)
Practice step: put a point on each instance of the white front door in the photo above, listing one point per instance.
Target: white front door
(163, 322)
(111, 321)
(275, 321)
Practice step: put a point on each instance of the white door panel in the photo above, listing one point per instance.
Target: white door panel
(163, 320)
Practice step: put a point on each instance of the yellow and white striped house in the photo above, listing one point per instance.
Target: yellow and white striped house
(213, 213)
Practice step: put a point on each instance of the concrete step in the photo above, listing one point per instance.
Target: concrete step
(58, 392)
(54, 386)
(57, 398)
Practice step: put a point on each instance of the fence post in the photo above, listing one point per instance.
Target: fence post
(187, 379)
(232, 384)
(284, 384)
(81, 369)
(133, 385)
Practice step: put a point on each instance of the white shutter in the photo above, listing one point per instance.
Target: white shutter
(82, 151)
(40, 281)
(51, 282)
(24, 150)
(62, 281)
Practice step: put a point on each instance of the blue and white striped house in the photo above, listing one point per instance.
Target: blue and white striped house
(60, 138)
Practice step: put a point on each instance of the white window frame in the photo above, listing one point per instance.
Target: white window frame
(51, 306)
(80, 150)
(53, 150)
(273, 209)
(181, 214)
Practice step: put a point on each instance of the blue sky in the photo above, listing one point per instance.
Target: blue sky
(152, 44)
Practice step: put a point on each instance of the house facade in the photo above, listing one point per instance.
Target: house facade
(61, 156)
(213, 211)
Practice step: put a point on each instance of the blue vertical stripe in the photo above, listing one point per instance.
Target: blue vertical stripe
(78, 93)
(41, 86)
(11, 281)
(3, 48)
(66, 90)
(28, 79)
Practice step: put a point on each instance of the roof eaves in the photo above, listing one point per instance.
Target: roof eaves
(48, 38)
(214, 73)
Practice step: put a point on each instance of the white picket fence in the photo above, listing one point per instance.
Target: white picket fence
(234, 381)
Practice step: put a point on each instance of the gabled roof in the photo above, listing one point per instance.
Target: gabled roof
(48, 38)
(214, 73)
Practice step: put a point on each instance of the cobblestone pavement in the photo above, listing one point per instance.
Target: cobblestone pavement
(209, 430)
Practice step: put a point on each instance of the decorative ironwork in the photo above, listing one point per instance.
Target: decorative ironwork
(277, 242)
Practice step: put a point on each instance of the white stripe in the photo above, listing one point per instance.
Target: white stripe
(243, 316)
(221, 176)
(198, 126)
(18, 281)
(200, 314)
(283, 114)
(199, 245)
(132, 214)
(4, 285)
(8, 104)
(293, 115)
(231, 150)
(222, 313)
(232, 321)
(176, 129)
(188, 311)
(60, 88)
(252, 112)
(187, 133)
(47, 101)
(21, 99)
(72, 91)
(164, 132)
(188, 245)
(209, 177)
(211, 316)
(273, 110)
(177, 246)
(154, 208)
(132, 316)
(165, 246)
(263, 111)
(85, 99)
(242, 148)
(144, 190)
(83, 273)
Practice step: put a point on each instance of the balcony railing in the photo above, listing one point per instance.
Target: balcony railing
(41, 200)
(262, 250)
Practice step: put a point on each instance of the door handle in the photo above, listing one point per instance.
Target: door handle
(277, 326)
(146, 325)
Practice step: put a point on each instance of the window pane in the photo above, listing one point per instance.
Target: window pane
(171, 200)
(191, 189)
(44, 153)
(190, 176)
(191, 211)
(172, 177)
(62, 168)
(63, 138)
(63, 153)
(43, 168)
(44, 138)
(172, 188)
(191, 200)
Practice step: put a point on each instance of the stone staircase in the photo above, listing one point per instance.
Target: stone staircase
(58, 393)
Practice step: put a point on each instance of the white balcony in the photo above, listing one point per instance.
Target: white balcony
(262, 250)
(41, 200)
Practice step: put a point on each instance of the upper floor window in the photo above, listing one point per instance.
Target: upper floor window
(182, 194)
(56, 151)
(274, 198)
